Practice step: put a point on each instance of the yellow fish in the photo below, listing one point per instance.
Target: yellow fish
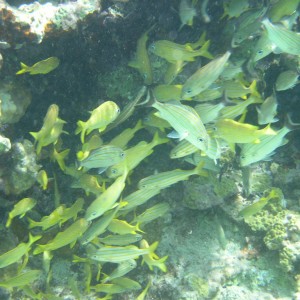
(204, 76)
(107, 200)
(15, 254)
(21, 279)
(51, 129)
(236, 132)
(41, 67)
(42, 179)
(100, 117)
(141, 61)
(20, 209)
(164, 92)
(173, 52)
(66, 237)
(93, 142)
(151, 259)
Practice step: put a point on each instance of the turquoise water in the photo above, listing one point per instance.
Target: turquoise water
(206, 225)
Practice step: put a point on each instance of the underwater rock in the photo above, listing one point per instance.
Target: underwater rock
(203, 193)
(30, 22)
(23, 169)
(14, 100)
(5, 144)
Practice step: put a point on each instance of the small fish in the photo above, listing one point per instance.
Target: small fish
(282, 8)
(152, 213)
(204, 77)
(103, 157)
(267, 111)
(59, 157)
(60, 215)
(185, 121)
(48, 221)
(20, 209)
(122, 227)
(237, 89)
(107, 200)
(21, 279)
(99, 226)
(263, 47)
(233, 70)
(118, 254)
(94, 142)
(41, 67)
(286, 80)
(187, 12)
(182, 149)
(252, 153)
(88, 183)
(122, 269)
(42, 179)
(51, 129)
(134, 155)
(151, 259)
(231, 112)
(127, 110)
(121, 240)
(236, 132)
(138, 197)
(16, 254)
(173, 70)
(256, 207)
(100, 117)
(173, 52)
(152, 120)
(248, 25)
(234, 8)
(209, 112)
(142, 61)
(122, 139)
(165, 93)
(286, 40)
(165, 179)
(66, 237)
(143, 294)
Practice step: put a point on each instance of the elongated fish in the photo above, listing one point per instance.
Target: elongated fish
(204, 77)
(185, 121)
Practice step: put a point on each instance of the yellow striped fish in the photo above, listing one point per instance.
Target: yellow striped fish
(185, 121)
(204, 77)
(286, 40)
(165, 179)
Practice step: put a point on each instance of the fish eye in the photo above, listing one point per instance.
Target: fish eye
(201, 140)
(152, 46)
(188, 91)
(145, 76)
(114, 171)
(122, 154)
(118, 110)
(94, 214)
(260, 51)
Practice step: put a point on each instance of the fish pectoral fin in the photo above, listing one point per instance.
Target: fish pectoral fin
(176, 135)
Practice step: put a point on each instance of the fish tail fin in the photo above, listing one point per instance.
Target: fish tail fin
(254, 92)
(290, 124)
(152, 248)
(81, 129)
(8, 222)
(35, 135)
(268, 130)
(24, 69)
(137, 228)
(200, 42)
(39, 249)
(157, 139)
(34, 238)
(203, 51)
(32, 223)
(160, 263)
(199, 169)
(139, 125)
